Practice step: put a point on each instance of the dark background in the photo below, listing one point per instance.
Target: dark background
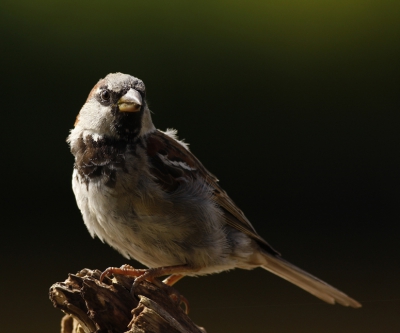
(294, 105)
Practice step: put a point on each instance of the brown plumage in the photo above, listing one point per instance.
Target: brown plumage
(142, 191)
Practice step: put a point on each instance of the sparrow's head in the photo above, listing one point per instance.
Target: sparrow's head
(115, 108)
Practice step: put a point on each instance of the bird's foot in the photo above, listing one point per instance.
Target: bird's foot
(151, 275)
(123, 270)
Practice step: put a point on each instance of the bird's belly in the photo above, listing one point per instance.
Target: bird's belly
(156, 231)
(111, 215)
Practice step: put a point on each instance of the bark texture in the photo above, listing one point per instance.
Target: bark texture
(112, 307)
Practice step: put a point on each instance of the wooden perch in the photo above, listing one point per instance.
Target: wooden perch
(111, 307)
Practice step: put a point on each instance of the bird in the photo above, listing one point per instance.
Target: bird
(143, 192)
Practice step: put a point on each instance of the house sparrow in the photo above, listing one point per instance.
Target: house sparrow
(144, 193)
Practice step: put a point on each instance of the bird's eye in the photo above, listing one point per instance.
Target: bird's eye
(105, 95)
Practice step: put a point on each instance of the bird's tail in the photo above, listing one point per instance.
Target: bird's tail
(306, 281)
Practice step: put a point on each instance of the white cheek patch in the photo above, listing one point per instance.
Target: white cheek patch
(179, 164)
(94, 120)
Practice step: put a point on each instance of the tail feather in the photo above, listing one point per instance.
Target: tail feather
(306, 281)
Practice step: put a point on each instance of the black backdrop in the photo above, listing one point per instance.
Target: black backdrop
(294, 105)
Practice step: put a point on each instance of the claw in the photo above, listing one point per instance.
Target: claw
(124, 270)
(181, 300)
(151, 274)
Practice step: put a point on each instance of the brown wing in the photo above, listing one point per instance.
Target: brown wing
(172, 164)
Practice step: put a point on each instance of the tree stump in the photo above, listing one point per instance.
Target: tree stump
(112, 307)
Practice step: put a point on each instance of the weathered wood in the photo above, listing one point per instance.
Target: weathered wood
(112, 307)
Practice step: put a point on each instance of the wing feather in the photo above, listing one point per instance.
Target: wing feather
(173, 163)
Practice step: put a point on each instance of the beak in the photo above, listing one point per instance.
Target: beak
(130, 102)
